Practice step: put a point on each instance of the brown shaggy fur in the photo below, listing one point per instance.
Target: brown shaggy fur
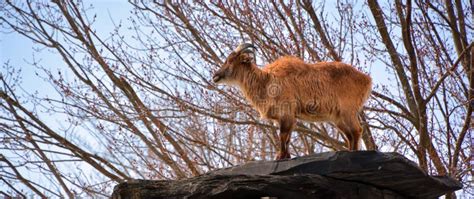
(290, 89)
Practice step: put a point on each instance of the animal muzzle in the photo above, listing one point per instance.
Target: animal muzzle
(217, 77)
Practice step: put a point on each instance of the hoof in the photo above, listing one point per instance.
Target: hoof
(283, 156)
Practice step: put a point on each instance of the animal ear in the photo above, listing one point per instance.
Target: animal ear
(247, 58)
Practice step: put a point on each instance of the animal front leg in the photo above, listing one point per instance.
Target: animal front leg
(286, 126)
(284, 145)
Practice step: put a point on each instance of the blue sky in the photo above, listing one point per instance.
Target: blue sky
(19, 51)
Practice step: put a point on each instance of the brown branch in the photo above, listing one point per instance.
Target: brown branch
(81, 153)
(11, 187)
(43, 156)
(20, 177)
(399, 69)
(307, 5)
(448, 73)
(124, 86)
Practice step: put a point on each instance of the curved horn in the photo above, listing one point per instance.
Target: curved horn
(243, 47)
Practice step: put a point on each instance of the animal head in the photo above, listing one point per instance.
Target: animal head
(236, 63)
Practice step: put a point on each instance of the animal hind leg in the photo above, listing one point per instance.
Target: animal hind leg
(352, 130)
(356, 130)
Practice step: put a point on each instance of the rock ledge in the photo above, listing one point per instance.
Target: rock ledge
(361, 174)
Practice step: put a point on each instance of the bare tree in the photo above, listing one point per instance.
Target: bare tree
(139, 103)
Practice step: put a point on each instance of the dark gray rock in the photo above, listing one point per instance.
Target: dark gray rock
(252, 186)
(361, 174)
(387, 170)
